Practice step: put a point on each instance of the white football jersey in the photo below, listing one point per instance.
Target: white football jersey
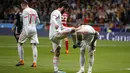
(86, 29)
(55, 20)
(30, 19)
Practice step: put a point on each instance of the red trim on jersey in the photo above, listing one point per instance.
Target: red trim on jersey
(25, 16)
(64, 24)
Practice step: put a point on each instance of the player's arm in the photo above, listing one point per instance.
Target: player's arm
(53, 20)
(37, 19)
(14, 23)
(77, 29)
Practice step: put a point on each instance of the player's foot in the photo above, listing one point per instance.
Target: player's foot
(59, 72)
(34, 64)
(20, 63)
(81, 71)
(67, 51)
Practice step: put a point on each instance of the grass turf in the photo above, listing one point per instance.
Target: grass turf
(110, 57)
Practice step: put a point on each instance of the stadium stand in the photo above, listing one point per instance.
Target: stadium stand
(104, 15)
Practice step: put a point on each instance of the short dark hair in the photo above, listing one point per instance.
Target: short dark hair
(24, 2)
(64, 4)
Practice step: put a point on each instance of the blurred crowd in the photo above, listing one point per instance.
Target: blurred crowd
(111, 13)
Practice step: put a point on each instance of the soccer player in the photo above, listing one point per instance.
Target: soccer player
(17, 27)
(64, 22)
(57, 32)
(88, 37)
(30, 20)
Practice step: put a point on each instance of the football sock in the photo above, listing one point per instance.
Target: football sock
(91, 61)
(67, 45)
(20, 51)
(82, 58)
(55, 63)
(35, 53)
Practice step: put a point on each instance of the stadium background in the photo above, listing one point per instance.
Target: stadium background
(105, 16)
(110, 17)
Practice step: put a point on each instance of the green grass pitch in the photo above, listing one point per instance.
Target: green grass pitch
(110, 57)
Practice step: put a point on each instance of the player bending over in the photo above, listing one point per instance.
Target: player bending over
(30, 20)
(87, 37)
(58, 32)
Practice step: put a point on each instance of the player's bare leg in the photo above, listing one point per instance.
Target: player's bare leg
(66, 45)
(21, 54)
(35, 55)
(82, 56)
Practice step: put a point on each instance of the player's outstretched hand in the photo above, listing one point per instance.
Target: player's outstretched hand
(12, 29)
(73, 29)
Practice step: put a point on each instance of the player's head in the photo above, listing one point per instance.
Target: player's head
(63, 5)
(24, 4)
(16, 8)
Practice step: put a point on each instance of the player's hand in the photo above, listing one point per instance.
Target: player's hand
(12, 29)
(56, 26)
(73, 29)
(75, 46)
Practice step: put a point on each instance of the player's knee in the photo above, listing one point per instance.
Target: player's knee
(33, 44)
(83, 44)
(66, 39)
(21, 43)
(93, 46)
(91, 53)
(82, 50)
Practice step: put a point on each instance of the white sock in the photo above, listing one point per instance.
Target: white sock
(20, 51)
(91, 61)
(35, 53)
(55, 63)
(82, 58)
